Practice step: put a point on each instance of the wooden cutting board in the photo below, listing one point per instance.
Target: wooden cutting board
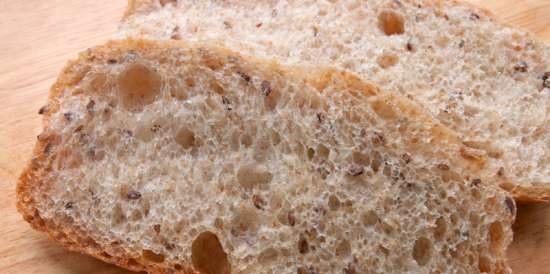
(37, 37)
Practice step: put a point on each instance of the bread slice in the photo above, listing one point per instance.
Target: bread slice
(489, 82)
(175, 158)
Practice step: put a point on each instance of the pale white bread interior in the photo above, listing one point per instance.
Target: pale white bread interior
(171, 158)
(487, 81)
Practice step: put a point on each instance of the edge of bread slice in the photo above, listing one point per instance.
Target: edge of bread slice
(417, 192)
(470, 93)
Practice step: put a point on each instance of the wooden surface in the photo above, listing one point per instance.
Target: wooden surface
(37, 37)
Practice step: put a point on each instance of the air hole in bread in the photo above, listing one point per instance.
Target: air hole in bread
(322, 152)
(440, 228)
(360, 158)
(451, 200)
(388, 228)
(343, 249)
(246, 139)
(442, 41)
(234, 140)
(245, 219)
(267, 255)
(208, 256)
(495, 153)
(151, 256)
(145, 207)
(139, 86)
(475, 219)
(212, 62)
(496, 235)
(303, 245)
(387, 59)
(333, 203)
(181, 225)
(275, 137)
(310, 153)
(391, 22)
(213, 103)
(387, 170)
(476, 194)
(369, 218)
(471, 110)
(185, 138)
(484, 264)
(117, 215)
(136, 216)
(190, 82)
(218, 223)
(383, 109)
(454, 218)
(491, 203)
(422, 251)
(253, 175)
(216, 87)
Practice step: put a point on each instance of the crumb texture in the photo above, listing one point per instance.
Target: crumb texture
(172, 159)
(488, 82)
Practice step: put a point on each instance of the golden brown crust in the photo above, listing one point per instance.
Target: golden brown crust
(528, 194)
(33, 176)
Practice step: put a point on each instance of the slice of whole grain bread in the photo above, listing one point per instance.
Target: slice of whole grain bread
(487, 81)
(175, 158)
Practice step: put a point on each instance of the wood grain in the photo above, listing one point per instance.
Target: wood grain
(36, 39)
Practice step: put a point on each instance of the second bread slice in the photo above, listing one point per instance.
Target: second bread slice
(488, 82)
